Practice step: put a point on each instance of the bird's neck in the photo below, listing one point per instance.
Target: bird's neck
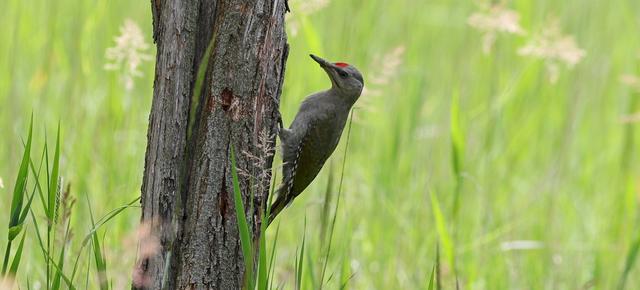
(338, 96)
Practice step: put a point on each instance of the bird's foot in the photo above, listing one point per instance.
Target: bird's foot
(280, 124)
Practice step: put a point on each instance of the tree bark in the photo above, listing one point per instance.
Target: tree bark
(187, 195)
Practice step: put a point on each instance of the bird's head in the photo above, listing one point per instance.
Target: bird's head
(345, 78)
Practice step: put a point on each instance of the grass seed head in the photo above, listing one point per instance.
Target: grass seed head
(555, 48)
(129, 52)
(492, 20)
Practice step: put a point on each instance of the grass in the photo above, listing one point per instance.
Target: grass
(541, 161)
(243, 227)
(18, 213)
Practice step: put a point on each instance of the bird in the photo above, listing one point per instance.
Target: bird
(315, 131)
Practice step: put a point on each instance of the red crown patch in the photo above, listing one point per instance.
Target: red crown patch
(341, 64)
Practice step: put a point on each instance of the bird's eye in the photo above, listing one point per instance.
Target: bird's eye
(343, 74)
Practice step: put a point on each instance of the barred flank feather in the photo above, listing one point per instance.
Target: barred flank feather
(285, 192)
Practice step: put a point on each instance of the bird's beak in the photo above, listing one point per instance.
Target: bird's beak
(323, 63)
(328, 67)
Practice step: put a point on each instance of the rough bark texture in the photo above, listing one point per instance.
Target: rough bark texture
(187, 195)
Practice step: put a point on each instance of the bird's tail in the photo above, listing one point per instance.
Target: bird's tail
(276, 208)
(281, 202)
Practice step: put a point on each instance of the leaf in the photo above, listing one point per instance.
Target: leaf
(27, 207)
(301, 257)
(37, 176)
(263, 271)
(243, 228)
(14, 232)
(101, 264)
(21, 181)
(335, 212)
(107, 217)
(47, 257)
(272, 259)
(58, 273)
(17, 257)
(457, 151)
(433, 271)
(312, 269)
(457, 137)
(632, 255)
(441, 227)
(197, 90)
(53, 181)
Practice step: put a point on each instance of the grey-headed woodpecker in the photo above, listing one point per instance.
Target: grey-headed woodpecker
(315, 131)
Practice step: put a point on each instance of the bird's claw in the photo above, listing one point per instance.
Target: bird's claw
(280, 124)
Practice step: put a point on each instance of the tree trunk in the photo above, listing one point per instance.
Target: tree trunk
(187, 195)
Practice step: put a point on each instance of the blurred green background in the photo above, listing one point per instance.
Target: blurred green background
(506, 135)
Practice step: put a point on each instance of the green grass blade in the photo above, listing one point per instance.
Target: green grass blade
(101, 264)
(312, 269)
(326, 206)
(438, 270)
(335, 213)
(629, 263)
(17, 257)
(197, 90)
(17, 198)
(87, 272)
(106, 218)
(21, 182)
(272, 259)
(263, 276)
(457, 151)
(89, 237)
(27, 207)
(58, 270)
(47, 257)
(53, 181)
(64, 277)
(441, 227)
(7, 253)
(345, 270)
(263, 270)
(36, 227)
(58, 273)
(295, 269)
(37, 177)
(431, 279)
(76, 263)
(457, 137)
(301, 257)
(243, 228)
(41, 194)
(14, 231)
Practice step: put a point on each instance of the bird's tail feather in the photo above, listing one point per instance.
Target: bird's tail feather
(281, 202)
(276, 208)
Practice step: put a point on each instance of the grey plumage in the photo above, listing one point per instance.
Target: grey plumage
(315, 131)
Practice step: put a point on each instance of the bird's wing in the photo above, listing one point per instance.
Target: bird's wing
(310, 157)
